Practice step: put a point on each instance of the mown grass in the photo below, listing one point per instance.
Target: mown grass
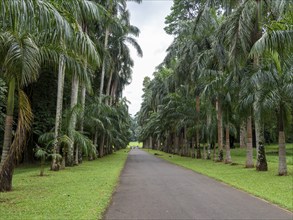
(267, 185)
(81, 192)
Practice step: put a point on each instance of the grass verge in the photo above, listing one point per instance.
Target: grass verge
(266, 185)
(81, 192)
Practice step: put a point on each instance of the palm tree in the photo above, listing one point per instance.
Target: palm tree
(89, 12)
(114, 8)
(21, 59)
(239, 32)
(276, 93)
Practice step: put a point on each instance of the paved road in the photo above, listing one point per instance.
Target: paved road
(151, 188)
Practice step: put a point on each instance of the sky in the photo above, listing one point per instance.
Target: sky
(149, 17)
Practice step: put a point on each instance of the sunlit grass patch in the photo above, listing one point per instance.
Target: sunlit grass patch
(81, 192)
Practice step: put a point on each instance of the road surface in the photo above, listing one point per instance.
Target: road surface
(151, 188)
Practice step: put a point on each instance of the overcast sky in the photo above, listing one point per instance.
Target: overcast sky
(149, 17)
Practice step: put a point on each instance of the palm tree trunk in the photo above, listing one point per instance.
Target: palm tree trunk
(220, 130)
(169, 142)
(24, 122)
(8, 122)
(158, 144)
(113, 91)
(101, 147)
(192, 148)
(6, 172)
(282, 145)
(180, 144)
(243, 135)
(74, 95)
(259, 133)
(257, 121)
(90, 156)
(82, 101)
(249, 149)
(176, 144)
(151, 143)
(228, 154)
(109, 87)
(185, 142)
(198, 153)
(61, 75)
(110, 146)
(165, 148)
(209, 122)
(104, 65)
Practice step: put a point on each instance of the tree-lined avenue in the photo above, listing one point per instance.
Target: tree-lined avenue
(151, 188)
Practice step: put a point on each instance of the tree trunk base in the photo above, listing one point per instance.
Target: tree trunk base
(6, 174)
(221, 156)
(198, 153)
(262, 167)
(55, 166)
(261, 164)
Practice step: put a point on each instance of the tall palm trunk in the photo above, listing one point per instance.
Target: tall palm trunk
(101, 146)
(249, 149)
(198, 153)
(257, 122)
(6, 172)
(185, 142)
(259, 132)
(24, 122)
(109, 87)
(169, 142)
(192, 148)
(61, 75)
(165, 148)
(220, 130)
(82, 102)
(113, 90)
(158, 144)
(209, 122)
(74, 95)
(104, 64)
(151, 142)
(176, 144)
(228, 154)
(243, 135)
(8, 122)
(92, 154)
(282, 145)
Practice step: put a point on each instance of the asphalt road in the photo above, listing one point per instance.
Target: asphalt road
(151, 188)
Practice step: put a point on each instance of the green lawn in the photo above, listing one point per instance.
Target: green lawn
(266, 185)
(81, 192)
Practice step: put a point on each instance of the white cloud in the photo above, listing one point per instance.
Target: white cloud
(149, 17)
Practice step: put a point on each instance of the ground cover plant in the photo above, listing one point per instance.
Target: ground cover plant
(266, 185)
(81, 192)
